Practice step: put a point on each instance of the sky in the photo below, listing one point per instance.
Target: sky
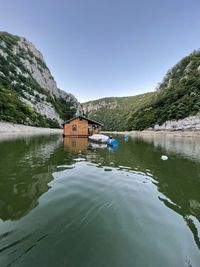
(101, 48)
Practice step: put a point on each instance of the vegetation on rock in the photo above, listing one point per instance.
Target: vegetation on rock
(114, 112)
(178, 96)
(29, 95)
(20, 92)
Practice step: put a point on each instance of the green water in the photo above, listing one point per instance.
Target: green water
(67, 204)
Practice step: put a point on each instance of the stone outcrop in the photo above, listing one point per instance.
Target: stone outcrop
(31, 65)
(93, 106)
(191, 123)
(36, 65)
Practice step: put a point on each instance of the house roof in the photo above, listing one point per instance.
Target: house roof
(84, 118)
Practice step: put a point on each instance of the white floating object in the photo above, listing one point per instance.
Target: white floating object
(164, 157)
(79, 159)
(124, 167)
(100, 138)
(65, 166)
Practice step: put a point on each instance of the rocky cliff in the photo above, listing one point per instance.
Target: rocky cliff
(28, 91)
(114, 112)
(190, 123)
(174, 106)
(177, 102)
(93, 106)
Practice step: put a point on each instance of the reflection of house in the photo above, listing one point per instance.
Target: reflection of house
(80, 126)
(76, 144)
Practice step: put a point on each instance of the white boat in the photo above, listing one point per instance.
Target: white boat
(100, 138)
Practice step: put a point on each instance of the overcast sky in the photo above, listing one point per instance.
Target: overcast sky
(99, 48)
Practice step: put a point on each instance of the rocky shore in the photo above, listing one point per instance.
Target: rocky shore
(10, 128)
(159, 133)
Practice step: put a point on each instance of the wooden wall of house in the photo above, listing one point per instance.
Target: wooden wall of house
(81, 127)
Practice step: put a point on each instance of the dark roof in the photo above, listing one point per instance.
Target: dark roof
(82, 117)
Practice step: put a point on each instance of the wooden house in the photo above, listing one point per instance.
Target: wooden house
(80, 126)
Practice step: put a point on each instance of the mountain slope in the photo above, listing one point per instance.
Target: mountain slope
(178, 96)
(114, 112)
(28, 92)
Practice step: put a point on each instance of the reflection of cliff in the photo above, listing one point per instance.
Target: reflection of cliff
(178, 179)
(26, 165)
(188, 147)
(25, 171)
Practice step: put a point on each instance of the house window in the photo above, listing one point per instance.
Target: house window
(74, 127)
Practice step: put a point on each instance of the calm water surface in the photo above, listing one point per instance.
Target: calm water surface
(70, 204)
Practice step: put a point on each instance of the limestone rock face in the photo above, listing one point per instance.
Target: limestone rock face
(39, 90)
(40, 72)
(188, 123)
(93, 106)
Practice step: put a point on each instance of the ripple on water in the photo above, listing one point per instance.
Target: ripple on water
(102, 218)
(119, 203)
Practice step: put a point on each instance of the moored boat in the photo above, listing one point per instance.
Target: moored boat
(102, 138)
(99, 138)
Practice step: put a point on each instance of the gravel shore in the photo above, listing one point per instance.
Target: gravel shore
(10, 128)
(159, 133)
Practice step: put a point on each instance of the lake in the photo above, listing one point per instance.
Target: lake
(69, 203)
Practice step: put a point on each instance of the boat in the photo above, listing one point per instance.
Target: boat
(99, 138)
(102, 138)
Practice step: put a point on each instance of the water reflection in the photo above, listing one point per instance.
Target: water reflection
(178, 179)
(185, 146)
(75, 144)
(27, 165)
(25, 171)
